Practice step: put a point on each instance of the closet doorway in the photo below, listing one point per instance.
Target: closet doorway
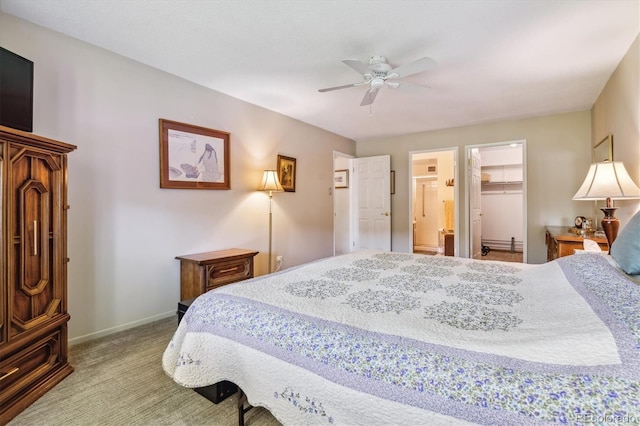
(497, 201)
(433, 201)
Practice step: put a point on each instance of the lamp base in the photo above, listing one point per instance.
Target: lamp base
(610, 225)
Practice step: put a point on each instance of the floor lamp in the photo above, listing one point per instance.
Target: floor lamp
(608, 180)
(271, 183)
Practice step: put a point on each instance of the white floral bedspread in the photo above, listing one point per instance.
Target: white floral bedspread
(378, 338)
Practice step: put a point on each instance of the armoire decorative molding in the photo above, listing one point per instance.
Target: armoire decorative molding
(33, 268)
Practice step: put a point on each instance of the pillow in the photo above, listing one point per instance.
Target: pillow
(625, 250)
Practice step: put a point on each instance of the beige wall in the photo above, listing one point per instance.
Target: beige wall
(555, 153)
(124, 231)
(617, 112)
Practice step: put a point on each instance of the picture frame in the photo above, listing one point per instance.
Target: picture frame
(603, 150)
(393, 182)
(286, 167)
(341, 178)
(193, 157)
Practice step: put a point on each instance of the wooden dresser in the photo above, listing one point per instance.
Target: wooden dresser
(33, 282)
(202, 272)
(562, 241)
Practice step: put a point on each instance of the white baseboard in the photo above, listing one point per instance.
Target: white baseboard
(108, 331)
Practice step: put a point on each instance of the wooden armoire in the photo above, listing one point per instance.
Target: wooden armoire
(33, 268)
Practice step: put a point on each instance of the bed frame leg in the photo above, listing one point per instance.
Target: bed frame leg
(242, 399)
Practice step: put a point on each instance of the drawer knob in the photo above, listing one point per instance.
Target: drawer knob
(13, 370)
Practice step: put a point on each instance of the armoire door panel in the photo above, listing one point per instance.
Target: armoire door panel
(34, 236)
(35, 181)
(3, 267)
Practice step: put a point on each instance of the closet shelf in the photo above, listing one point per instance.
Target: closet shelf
(499, 166)
(511, 182)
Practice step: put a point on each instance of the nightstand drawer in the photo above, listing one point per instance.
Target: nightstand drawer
(202, 272)
(228, 272)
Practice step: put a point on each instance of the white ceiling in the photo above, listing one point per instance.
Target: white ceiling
(495, 59)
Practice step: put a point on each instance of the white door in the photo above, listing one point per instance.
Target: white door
(426, 213)
(476, 205)
(372, 180)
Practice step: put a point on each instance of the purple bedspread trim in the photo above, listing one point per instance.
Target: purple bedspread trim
(628, 346)
(434, 402)
(382, 390)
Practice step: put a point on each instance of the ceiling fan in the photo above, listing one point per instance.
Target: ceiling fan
(378, 73)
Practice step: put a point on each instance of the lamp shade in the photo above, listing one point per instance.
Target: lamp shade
(270, 182)
(607, 179)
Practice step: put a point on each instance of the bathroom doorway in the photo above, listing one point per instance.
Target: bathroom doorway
(433, 201)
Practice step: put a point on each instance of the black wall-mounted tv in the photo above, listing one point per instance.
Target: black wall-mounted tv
(16, 91)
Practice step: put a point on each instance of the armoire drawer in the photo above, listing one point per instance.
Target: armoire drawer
(228, 272)
(22, 370)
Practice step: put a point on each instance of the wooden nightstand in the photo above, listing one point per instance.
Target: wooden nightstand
(202, 272)
(561, 241)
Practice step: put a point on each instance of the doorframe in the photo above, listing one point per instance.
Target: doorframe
(349, 157)
(467, 195)
(456, 153)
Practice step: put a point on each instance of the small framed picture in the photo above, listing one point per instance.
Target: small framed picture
(193, 157)
(287, 173)
(341, 178)
(393, 182)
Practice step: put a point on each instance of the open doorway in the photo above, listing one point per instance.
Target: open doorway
(342, 230)
(433, 201)
(497, 201)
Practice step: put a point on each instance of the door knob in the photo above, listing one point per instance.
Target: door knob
(385, 214)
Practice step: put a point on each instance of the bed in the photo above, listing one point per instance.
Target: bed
(382, 338)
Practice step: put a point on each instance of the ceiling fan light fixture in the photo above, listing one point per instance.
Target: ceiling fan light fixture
(377, 83)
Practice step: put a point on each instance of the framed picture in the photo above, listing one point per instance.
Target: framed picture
(286, 167)
(193, 157)
(393, 182)
(603, 150)
(341, 178)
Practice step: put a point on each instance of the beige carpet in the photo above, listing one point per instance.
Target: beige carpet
(119, 380)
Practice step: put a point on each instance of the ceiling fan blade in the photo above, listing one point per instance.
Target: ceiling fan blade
(404, 84)
(369, 97)
(413, 67)
(346, 86)
(357, 65)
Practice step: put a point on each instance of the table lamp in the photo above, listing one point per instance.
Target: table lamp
(608, 180)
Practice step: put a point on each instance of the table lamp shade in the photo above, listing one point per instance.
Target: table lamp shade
(607, 179)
